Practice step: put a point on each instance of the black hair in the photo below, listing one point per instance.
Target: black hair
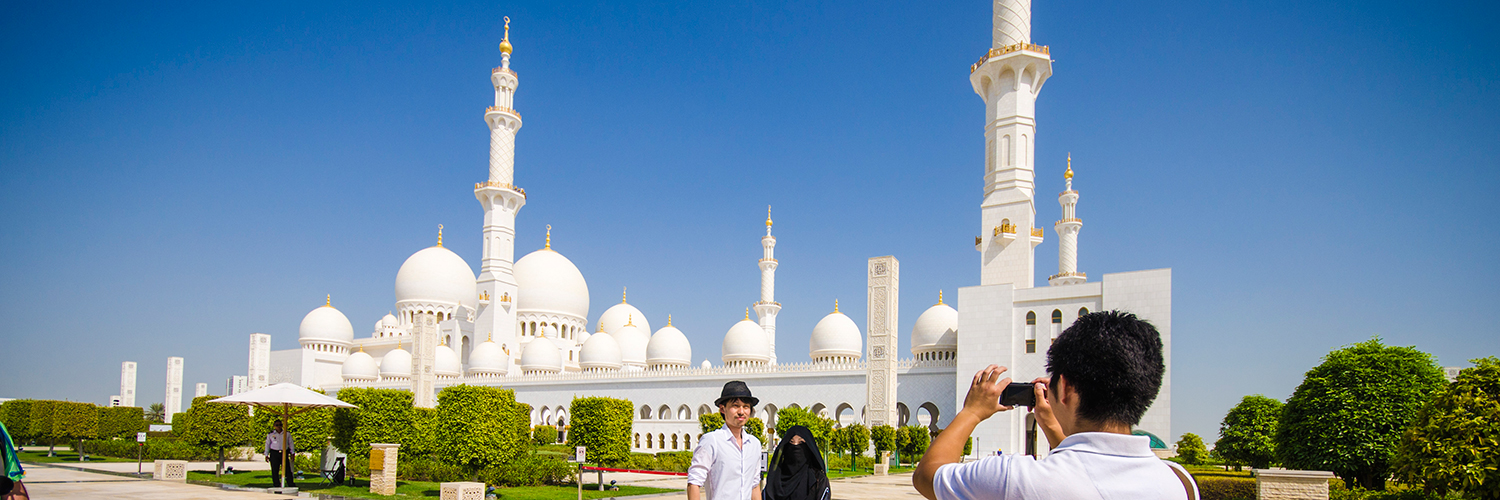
(1114, 360)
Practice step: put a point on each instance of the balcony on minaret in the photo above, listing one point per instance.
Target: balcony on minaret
(503, 69)
(1036, 236)
(502, 109)
(491, 184)
(1070, 278)
(1005, 233)
(1000, 51)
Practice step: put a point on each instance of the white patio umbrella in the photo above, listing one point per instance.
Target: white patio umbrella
(284, 397)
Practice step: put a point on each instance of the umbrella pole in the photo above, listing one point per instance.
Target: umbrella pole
(286, 422)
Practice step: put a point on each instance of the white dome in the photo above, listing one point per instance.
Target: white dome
(541, 355)
(487, 358)
(936, 330)
(326, 324)
(669, 347)
(706, 364)
(835, 336)
(618, 315)
(746, 341)
(396, 363)
(389, 320)
(436, 274)
(600, 352)
(583, 337)
(360, 367)
(550, 283)
(633, 344)
(447, 363)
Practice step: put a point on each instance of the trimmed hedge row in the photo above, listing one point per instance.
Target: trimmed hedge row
(1226, 488)
(602, 425)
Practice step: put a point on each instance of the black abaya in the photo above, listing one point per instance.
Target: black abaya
(797, 472)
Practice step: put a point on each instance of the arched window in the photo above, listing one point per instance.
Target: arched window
(637, 440)
(1083, 311)
(645, 412)
(648, 440)
(661, 441)
(1056, 323)
(1030, 332)
(687, 442)
(674, 441)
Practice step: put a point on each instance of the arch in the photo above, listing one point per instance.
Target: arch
(664, 413)
(902, 414)
(844, 414)
(546, 417)
(1083, 311)
(794, 405)
(637, 440)
(928, 412)
(704, 410)
(661, 441)
(1025, 151)
(683, 413)
(770, 415)
(1057, 316)
(1031, 318)
(645, 412)
(560, 414)
(1005, 150)
(674, 441)
(819, 410)
(648, 440)
(687, 441)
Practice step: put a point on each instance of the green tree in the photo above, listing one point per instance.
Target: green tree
(156, 414)
(602, 425)
(120, 421)
(1349, 411)
(884, 438)
(215, 426)
(75, 421)
(16, 415)
(1246, 435)
(709, 422)
(477, 427)
(756, 428)
(821, 428)
(912, 442)
(382, 416)
(544, 434)
(856, 439)
(41, 423)
(1454, 442)
(1191, 450)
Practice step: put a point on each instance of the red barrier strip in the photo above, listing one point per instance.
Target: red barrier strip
(605, 469)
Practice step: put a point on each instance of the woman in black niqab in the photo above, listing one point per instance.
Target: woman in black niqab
(797, 471)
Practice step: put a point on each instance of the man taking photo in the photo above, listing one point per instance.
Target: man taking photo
(727, 461)
(1106, 370)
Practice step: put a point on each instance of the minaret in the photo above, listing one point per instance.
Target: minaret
(767, 308)
(501, 200)
(1067, 235)
(1008, 78)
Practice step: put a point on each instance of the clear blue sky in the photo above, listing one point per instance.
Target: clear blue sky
(179, 176)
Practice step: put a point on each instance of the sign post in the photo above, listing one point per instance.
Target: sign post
(580, 453)
(140, 443)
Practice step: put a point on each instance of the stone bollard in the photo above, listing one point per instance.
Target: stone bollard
(383, 468)
(461, 491)
(170, 470)
(883, 467)
(1280, 484)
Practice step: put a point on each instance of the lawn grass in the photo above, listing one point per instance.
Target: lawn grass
(65, 456)
(408, 489)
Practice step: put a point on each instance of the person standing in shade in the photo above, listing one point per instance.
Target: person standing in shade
(797, 470)
(274, 454)
(727, 461)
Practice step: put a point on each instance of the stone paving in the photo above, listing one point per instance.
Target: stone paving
(44, 481)
(896, 486)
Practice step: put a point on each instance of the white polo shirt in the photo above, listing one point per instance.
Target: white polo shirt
(729, 472)
(1087, 465)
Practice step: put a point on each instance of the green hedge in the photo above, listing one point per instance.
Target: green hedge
(544, 434)
(121, 421)
(382, 416)
(673, 461)
(529, 470)
(603, 425)
(16, 415)
(821, 428)
(1226, 488)
(480, 427)
(215, 426)
(40, 424)
(154, 449)
(310, 429)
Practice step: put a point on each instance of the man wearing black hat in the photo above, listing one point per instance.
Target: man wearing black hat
(727, 461)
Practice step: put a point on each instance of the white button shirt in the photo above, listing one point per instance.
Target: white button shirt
(729, 472)
(1087, 465)
(273, 441)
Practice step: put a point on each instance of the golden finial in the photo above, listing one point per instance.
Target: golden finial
(440, 236)
(768, 216)
(623, 291)
(549, 237)
(489, 337)
(328, 300)
(1069, 174)
(836, 305)
(940, 297)
(361, 347)
(747, 313)
(629, 320)
(669, 320)
(601, 328)
(505, 47)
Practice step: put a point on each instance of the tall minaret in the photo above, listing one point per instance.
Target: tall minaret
(1067, 235)
(501, 200)
(1008, 78)
(767, 308)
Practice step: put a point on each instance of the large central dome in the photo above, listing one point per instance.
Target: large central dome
(551, 283)
(436, 274)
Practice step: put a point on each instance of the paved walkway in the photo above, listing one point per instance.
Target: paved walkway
(896, 486)
(43, 481)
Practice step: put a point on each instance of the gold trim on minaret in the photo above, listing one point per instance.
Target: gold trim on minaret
(768, 216)
(1069, 174)
(505, 47)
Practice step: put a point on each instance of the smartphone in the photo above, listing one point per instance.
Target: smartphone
(1019, 394)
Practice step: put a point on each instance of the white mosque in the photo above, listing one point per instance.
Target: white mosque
(524, 324)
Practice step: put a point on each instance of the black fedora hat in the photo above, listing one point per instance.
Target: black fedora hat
(736, 390)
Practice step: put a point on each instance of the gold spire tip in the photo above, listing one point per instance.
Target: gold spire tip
(328, 300)
(836, 305)
(1069, 174)
(768, 216)
(747, 314)
(669, 320)
(440, 236)
(505, 47)
(624, 290)
(549, 237)
(629, 320)
(940, 297)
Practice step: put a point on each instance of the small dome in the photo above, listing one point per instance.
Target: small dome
(396, 364)
(550, 283)
(706, 364)
(835, 336)
(936, 330)
(541, 355)
(746, 342)
(447, 363)
(360, 367)
(389, 320)
(600, 352)
(618, 315)
(436, 274)
(669, 347)
(633, 344)
(487, 358)
(326, 324)
(583, 337)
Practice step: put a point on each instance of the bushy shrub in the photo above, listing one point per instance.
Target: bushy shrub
(40, 423)
(756, 427)
(602, 425)
(1191, 450)
(425, 469)
(154, 449)
(121, 421)
(72, 421)
(709, 422)
(821, 428)
(544, 434)
(216, 426)
(16, 415)
(1226, 488)
(478, 427)
(912, 441)
(382, 416)
(884, 438)
(674, 461)
(529, 470)
(1454, 442)
(1247, 431)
